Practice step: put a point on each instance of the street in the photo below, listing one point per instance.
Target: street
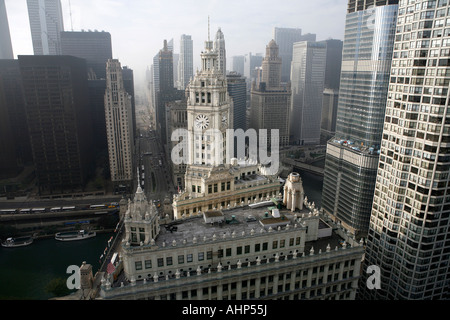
(157, 178)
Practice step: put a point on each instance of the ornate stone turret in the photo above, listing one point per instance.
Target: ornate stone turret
(293, 192)
(141, 220)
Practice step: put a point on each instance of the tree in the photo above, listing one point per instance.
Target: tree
(57, 287)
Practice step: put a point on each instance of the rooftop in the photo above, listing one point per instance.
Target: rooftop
(236, 222)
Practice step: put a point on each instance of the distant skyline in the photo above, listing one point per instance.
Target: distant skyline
(139, 27)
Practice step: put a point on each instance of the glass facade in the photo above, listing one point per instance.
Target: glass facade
(352, 156)
(409, 235)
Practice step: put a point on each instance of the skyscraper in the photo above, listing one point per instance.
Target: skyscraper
(285, 38)
(331, 89)
(210, 182)
(95, 47)
(352, 156)
(46, 23)
(128, 84)
(237, 64)
(251, 63)
(59, 121)
(6, 51)
(409, 227)
(14, 136)
(119, 127)
(219, 46)
(307, 83)
(237, 89)
(270, 100)
(186, 62)
(167, 91)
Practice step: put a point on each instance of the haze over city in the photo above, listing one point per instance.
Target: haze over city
(139, 27)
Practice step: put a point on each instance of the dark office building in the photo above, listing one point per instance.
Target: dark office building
(97, 90)
(128, 83)
(14, 138)
(166, 93)
(95, 47)
(59, 121)
(237, 89)
(331, 89)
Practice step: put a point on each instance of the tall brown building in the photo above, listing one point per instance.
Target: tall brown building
(59, 121)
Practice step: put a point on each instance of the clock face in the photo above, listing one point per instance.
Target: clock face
(224, 120)
(201, 121)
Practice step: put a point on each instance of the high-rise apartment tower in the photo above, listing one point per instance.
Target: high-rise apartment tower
(409, 236)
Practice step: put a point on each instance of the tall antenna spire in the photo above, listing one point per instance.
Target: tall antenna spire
(70, 9)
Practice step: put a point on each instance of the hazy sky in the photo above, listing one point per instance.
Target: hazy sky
(139, 27)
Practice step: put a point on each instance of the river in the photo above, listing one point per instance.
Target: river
(25, 271)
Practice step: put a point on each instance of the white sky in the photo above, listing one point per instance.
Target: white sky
(139, 27)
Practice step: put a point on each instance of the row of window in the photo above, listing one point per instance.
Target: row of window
(221, 253)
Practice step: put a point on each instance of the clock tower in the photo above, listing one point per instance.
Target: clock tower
(209, 111)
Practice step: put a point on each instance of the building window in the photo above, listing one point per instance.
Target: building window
(138, 265)
(189, 258)
(257, 247)
(160, 262)
(247, 249)
(201, 256)
(275, 244)
(209, 255)
(148, 264)
(239, 250)
(228, 252)
(169, 261)
(180, 259)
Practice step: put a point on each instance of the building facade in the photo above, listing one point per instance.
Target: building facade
(352, 155)
(46, 24)
(93, 46)
(237, 89)
(14, 137)
(219, 46)
(237, 64)
(186, 62)
(409, 226)
(119, 127)
(166, 91)
(255, 252)
(176, 116)
(307, 84)
(59, 121)
(329, 114)
(331, 89)
(269, 99)
(6, 50)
